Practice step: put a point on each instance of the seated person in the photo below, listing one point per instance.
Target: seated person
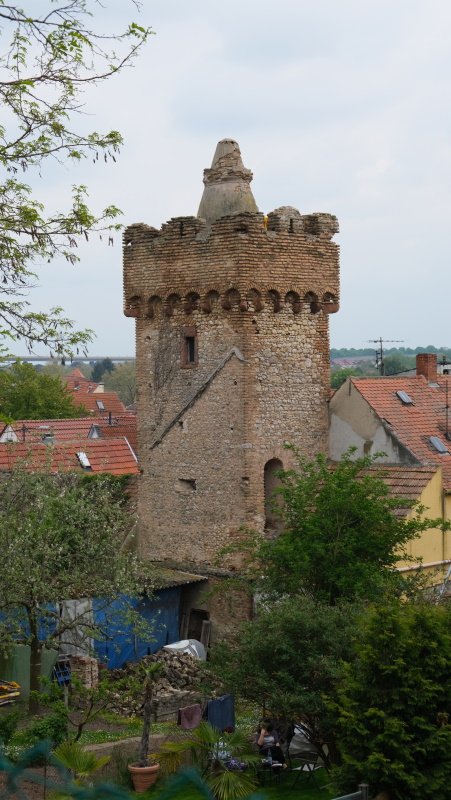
(268, 741)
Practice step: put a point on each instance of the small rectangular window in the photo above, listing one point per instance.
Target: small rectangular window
(189, 347)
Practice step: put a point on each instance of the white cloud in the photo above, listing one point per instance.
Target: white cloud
(338, 106)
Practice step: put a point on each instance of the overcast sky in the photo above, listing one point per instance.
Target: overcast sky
(341, 106)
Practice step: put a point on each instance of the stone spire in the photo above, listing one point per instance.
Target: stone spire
(227, 185)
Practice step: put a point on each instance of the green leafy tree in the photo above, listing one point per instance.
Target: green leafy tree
(290, 657)
(395, 704)
(395, 364)
(339, 376)
(341, 538)
(64, 536)
(100, 368)
(26, 393)
(48, 59)
(123, 381)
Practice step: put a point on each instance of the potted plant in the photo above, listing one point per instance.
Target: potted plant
(145, 771)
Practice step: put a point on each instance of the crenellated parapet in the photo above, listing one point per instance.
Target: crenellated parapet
(243, 262)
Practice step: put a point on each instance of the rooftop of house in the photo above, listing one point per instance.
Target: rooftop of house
(415, 408)
(78, 383)
(113, 431)
(100, 404)
(34, 430)
(113, 456)
(165, 577)
(407, 483)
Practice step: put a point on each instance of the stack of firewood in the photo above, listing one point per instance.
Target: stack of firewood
(181, 673)
(86, 669)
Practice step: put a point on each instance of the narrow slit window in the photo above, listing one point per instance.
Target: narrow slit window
(189, 347)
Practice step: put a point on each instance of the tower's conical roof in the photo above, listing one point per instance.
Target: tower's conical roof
(227, 184)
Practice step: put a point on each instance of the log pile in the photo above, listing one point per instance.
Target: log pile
(179, 680)
(86, 669)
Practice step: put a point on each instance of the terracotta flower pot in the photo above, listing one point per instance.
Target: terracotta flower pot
(143, 777)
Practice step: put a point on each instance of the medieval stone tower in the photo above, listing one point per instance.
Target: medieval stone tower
(232, 352)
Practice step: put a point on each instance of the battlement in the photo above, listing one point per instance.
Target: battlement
(244, 260)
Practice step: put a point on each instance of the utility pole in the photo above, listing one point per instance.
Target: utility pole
(380, 351)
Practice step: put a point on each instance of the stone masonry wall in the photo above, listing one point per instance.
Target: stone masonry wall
(256, 299)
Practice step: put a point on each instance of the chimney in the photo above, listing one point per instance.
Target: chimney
(427, 366)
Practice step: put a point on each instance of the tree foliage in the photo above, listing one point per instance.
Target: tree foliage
(341, 538)
(395, 364)
(26, 393)
(339, 376)
(123, 381)
(395, 704)
(62, 535)
(290, 657)
(100, 368)
(47, 60)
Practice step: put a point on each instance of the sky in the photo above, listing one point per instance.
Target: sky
(339, 106)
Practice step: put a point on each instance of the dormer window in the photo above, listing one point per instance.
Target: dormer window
(189, 356)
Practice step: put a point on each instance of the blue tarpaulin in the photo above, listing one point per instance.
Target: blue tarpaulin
(161, 611)
(17, 620)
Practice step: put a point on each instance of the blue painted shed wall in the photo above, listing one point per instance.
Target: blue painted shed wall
(162, 611)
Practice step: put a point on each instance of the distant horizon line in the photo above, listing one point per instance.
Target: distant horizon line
(77, 358)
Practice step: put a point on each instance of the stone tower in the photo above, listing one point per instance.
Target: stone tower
(232, 350)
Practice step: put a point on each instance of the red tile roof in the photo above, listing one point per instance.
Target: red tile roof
(32, 430)
(405, 482)
(80, 387)
(413, 423)
(76, 373)
(113, 456)
(110, 401)
(77, 383)
(113, 431)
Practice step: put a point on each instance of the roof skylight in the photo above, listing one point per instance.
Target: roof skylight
(404, 397)
(100, 405)
(438, 444)
(84, 460)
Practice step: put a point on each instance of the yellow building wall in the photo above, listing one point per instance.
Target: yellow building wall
(433, 545)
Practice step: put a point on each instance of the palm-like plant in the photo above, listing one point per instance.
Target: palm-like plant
(206, 748)
(79, 761)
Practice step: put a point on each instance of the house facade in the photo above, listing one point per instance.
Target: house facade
(405, 418)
